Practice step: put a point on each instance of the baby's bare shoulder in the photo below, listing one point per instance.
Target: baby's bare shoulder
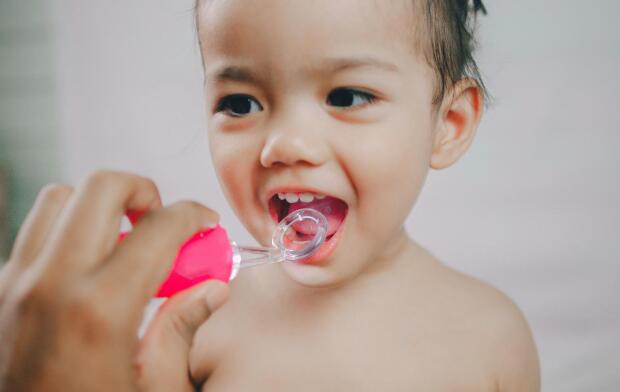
(495, 323)
(476, 298)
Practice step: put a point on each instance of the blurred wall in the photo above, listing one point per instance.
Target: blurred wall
(532, 208)
(131, 98)
(28, 155)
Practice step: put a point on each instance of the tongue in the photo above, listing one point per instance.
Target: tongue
(334, 210)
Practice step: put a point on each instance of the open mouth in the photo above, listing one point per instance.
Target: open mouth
(334, 209)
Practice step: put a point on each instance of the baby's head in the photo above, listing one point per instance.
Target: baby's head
(350, 99)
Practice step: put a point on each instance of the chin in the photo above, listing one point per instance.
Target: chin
(312, 276)
(334, 272)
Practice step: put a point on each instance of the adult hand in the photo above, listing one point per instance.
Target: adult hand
(71, 298)
(163, 358)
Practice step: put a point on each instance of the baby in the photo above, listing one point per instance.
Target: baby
(343, 106)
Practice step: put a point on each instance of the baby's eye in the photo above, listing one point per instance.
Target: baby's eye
(238, 105)
(347, 97)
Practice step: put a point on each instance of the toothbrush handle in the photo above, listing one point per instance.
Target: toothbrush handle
(206, 255)
(251, 256)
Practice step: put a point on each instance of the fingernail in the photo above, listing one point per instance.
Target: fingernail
(210, 226)
(212, 221)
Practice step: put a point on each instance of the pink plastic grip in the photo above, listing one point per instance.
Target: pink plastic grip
(206, 255)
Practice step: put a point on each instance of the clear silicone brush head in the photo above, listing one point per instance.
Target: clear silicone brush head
(300, 234)
(296, 237)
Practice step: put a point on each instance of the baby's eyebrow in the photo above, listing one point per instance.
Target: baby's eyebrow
(342, 64)
(245, 74)
(233, 73)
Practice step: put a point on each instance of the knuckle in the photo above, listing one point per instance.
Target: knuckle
(33, 300)
(55, 193)
(181, 326)
(190, 214)
(110, 179)
(102, 179)
(188, 206)
(148, 182)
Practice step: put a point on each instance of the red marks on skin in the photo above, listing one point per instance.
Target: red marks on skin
(458, 115)
(457, 120)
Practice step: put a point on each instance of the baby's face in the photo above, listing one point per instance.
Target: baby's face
(313, 98)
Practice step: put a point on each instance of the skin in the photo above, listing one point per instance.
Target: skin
(70, 306)
(381, 313)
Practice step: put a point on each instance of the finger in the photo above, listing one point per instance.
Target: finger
(89, 224)
(180, 316)
(164, 353)
(38, 223)
(145, 256)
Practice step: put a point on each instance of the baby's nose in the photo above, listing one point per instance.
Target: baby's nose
(291, 147)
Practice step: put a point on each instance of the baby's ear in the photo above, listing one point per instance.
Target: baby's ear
(458, 119)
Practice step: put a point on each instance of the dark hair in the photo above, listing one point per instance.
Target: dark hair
(449, 42)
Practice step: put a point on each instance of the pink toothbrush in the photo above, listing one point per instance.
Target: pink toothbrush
(209, 254)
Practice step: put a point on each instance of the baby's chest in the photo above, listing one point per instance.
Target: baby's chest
(369, 357)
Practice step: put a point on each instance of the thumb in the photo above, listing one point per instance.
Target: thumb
(181, 315)
(162, 360)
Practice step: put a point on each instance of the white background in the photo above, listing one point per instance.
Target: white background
(531, 209)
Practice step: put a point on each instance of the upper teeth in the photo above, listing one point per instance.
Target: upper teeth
(304, 197)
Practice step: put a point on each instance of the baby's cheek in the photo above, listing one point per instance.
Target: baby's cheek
(388, 180)
(233, 159)
(236, 159)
